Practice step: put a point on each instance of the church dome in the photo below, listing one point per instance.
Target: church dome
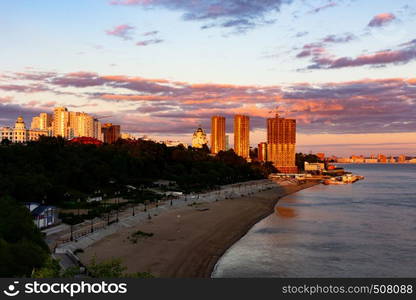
(199, 138)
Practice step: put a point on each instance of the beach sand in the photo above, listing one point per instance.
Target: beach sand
(188, 241)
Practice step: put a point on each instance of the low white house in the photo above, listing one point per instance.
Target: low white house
(43, 215)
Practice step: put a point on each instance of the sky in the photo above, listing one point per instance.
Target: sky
(344, 69)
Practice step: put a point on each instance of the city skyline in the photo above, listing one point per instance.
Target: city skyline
(349, 81)
(280, 131)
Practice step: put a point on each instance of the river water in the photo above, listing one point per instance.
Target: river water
(365, 229)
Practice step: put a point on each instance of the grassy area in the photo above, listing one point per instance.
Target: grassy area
(134, 237)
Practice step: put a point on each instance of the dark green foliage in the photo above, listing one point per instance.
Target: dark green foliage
(58, 172)
(21, 245)
(301, 158)
(113, 268)
(139, 234)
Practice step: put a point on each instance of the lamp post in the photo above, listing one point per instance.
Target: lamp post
(108, 214)
(71, 238)
(78, 201)
(134, 204)
(117, 195)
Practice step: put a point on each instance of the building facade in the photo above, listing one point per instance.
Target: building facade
(242, 136)
(262, 152)
(20, 134)
(60, 124)
(111, 133)
(69, 124)
(281, 143)
(217, 134)
(199, 138)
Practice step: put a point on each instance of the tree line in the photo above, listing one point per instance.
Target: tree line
(53, 171)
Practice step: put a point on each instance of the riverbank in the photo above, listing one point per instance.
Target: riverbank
(188, 241)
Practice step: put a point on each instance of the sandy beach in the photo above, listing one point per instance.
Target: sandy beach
(188, 241)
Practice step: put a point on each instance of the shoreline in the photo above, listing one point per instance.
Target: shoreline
(187, 242)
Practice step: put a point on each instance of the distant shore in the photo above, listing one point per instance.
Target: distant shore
(188, 241)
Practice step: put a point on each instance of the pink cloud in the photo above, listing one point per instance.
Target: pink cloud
(386, 105)
(382, 20)
(321, 59)
(379, 58)
(7, 99)
(123, 31)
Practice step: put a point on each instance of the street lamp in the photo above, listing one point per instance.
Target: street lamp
(108, 214)
(117, 195)
(71, 238)
(78, 201)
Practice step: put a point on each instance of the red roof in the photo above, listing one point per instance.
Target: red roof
(86, 140)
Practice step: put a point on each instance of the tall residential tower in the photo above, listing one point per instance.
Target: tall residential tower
(217, 134)
(242, 136)
(281, 143)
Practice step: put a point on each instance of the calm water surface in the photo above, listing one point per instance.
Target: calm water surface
(366, 229)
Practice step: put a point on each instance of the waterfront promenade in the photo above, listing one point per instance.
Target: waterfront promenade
(189, 237)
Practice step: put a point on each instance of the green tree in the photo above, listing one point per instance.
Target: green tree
(21, 245)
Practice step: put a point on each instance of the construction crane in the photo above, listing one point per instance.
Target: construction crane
(276, 111)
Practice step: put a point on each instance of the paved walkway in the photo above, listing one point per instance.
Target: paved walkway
(126, 219)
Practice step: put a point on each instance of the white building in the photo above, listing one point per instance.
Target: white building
(199, 138)
(43, 215)
(314, 167)
(19, 133)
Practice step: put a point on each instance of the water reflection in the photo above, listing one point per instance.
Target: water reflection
(362, 230)
(285, 212)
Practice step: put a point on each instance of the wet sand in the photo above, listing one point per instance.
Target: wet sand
(187, 242)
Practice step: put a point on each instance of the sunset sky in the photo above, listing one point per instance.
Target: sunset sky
(344, 69)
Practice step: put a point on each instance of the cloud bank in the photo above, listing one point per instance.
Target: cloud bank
(160, 106)
(239, 14)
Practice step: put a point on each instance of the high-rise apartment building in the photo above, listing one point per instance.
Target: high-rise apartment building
(262, 152)
(60, 125)
(35, 123)
(281, 143)
(86, 125)
(242, 136)
(45, 121)
(97, 133)
(111, 133)
(42, 122)
(217, 134)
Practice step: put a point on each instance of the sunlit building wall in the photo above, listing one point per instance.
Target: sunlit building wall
(111, 133)
(217, 134)
(262, 152)
(281, 143)
(242, 136)
(61, 123)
